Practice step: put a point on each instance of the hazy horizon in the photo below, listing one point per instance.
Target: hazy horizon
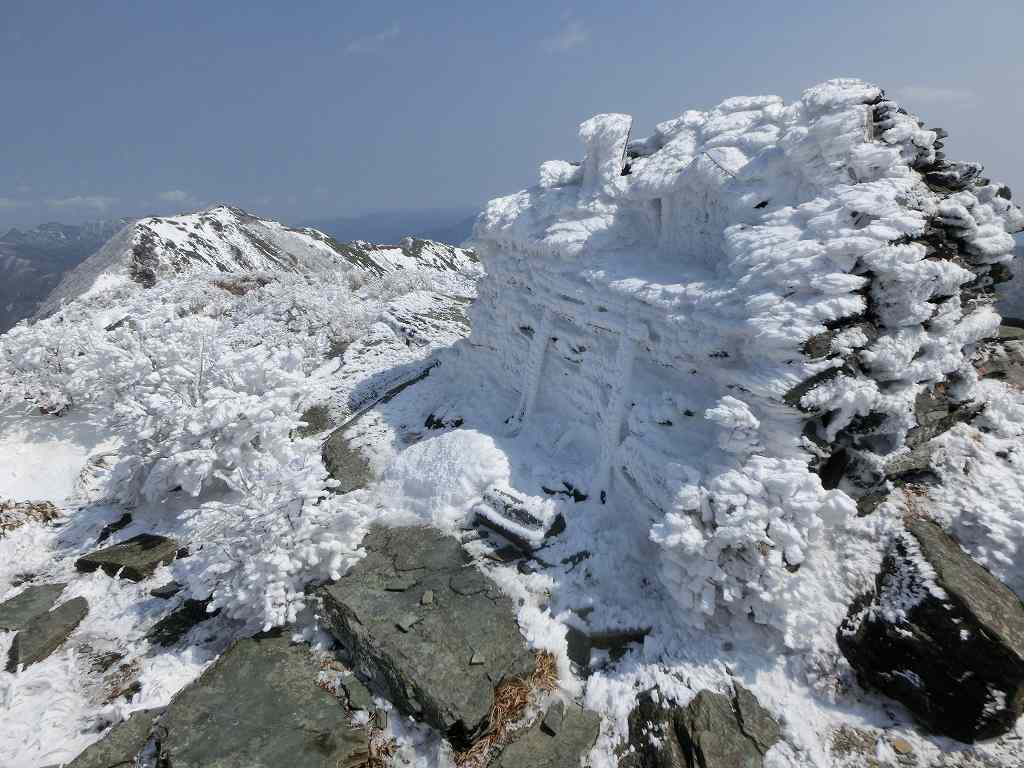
(331, 111)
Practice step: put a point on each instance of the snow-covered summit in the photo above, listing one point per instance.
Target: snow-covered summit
(227, 239)
(700, 322)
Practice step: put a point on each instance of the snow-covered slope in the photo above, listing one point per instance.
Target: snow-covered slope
(33, 261)
(227, 239)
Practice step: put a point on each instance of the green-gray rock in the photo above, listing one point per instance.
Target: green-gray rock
(345, 463)
(44, 634)
(420, 656)
(26, 605)
(135, 559)
(121, 744)
(713, 731)
(539, 749)
(258, 706)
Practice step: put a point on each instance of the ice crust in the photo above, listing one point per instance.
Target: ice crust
(654, 302)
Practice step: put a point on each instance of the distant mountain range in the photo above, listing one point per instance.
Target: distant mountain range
(445, 225)
(32, 262)
(229, 240)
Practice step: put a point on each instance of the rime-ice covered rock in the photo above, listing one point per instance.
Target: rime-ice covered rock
(709, 314)
(941, 635)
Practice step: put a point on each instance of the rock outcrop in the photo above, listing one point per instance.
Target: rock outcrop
(31, 602)
(941, 635)
(437, 659)
(712, 731)
(134, 559)
(45, 633)
(553, 742)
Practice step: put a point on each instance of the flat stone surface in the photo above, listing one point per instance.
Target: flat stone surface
(345, 463)
(539, 749)
(27, 604)
(45, 633)
(139, 556)
(713, 732)
(121, 744)
(954, 658)
(258, 706)
(425, 667)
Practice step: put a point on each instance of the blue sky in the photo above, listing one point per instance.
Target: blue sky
(305, 109)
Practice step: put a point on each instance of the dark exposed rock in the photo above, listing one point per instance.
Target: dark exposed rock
(359, 696)
(419, 655)
(175, 625)
(345, 463)
(258, 706)
(712, 731)
(316, 419)
(952, 652)
(28, 604)
(121, 744)
(111, 528)
(540, 748)
(45, 633)
(167, 591)
(134, 559)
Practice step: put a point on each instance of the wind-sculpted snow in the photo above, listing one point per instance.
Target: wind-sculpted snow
(703, 313)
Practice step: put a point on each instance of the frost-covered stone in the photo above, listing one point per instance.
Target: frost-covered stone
(941, 635)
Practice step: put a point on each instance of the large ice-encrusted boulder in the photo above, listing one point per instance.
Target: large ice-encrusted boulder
(730, 322)
(941, 635)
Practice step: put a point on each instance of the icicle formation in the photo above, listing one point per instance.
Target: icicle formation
(774, 286)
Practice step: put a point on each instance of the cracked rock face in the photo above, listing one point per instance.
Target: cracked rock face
(551, 745)
(942, 636)
(712, 731)
(258, 706)
(28, 604)
(439, 659)
(120, 745)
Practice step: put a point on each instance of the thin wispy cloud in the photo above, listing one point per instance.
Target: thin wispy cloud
(375, 42)
(9, 203)
(931, 95)
(572, 34)
(175, 196)
(89, 202)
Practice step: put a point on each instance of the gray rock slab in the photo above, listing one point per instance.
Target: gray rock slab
(45, 633)
(714, 730)
(121, 744)
(258, 706)
(425, 667)
(955, 656)
(27, 604)
(538, 748)
(344, 463)
(134, 559)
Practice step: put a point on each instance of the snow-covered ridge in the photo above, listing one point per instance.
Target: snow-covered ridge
(228, 239)
(708, 315)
